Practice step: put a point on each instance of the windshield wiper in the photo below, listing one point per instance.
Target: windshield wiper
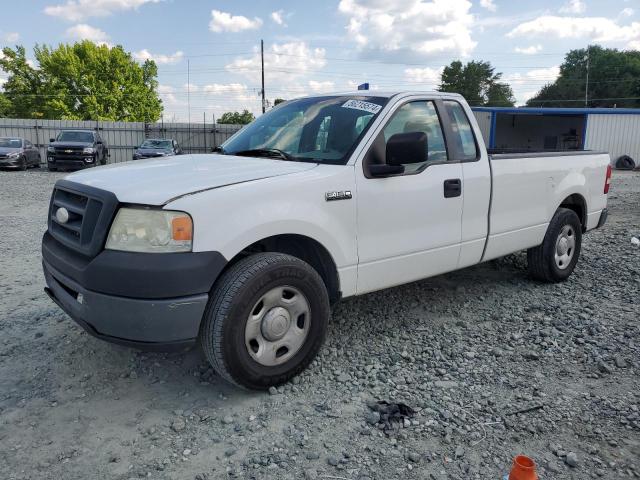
(265, 152)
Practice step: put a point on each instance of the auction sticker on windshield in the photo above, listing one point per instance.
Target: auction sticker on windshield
(360, 105)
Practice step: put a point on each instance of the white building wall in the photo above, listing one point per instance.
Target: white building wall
(616, 134)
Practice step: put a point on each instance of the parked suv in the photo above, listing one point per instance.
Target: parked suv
(157, 147)
(75, 150)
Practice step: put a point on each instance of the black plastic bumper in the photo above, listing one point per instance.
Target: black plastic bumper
(149, 301)
(603, 218)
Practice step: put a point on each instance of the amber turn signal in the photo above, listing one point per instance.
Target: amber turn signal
(182, 228)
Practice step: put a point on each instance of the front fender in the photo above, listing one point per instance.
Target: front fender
(230, 218)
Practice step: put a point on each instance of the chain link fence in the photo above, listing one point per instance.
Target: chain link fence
(122, 138)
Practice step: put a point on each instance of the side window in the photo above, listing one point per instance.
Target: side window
(463, 136)
(27, 144)
(420, 116)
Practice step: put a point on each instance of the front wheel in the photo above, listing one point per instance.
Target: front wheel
(266, 320)
(555, 259)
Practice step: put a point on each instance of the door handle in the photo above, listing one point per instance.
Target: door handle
(452, 188)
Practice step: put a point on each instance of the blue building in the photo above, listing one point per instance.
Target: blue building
(614, 130)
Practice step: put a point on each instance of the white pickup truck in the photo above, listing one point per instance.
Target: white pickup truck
(322, 198)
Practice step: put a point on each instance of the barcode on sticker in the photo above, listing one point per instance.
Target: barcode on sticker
(360, 105)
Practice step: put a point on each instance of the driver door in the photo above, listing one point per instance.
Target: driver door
(409, 224)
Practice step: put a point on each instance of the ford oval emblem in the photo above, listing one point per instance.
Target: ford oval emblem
(62, 215)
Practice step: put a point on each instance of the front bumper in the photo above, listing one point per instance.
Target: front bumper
(69, 164)
(149, 301)
(10, 162)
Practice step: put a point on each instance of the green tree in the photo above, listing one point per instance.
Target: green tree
(478, 83)
(5, 106)
(278, 101)
(614, 80)
(23, 90)
(237, 118)
(83, 81)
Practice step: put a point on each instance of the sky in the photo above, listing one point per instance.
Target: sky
(208, 58)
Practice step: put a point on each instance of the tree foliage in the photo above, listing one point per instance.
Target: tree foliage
(83, 81)
(278, 101)
(237, 118)
(614, 80)
(478, 83)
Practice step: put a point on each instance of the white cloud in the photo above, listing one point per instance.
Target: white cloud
(11, 37)
(409, 28)
(321, 86)
(78, 10)
(428, 77)
(489, 5)
(531, 50)
(597, 29)
(278, 17)
(82, 31)
(282, 62)
(627, 12)
(233, 88)
(159, 58)
(526, 85)
(225, 22)
(573, 6)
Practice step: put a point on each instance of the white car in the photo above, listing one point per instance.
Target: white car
(321, 198)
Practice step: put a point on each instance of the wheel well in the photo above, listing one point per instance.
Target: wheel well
(304, 248)
(577, 203)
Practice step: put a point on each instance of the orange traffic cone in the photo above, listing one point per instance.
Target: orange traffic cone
(523, 468)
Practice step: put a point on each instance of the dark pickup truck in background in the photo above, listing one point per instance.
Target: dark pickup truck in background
(75, 150)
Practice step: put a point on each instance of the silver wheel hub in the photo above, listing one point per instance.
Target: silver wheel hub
(565, 247)
(277, 326)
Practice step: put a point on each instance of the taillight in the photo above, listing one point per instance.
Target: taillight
(607, 181)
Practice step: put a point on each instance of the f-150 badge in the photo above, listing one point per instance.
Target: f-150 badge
(331, 196)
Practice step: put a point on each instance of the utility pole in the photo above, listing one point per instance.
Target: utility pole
(586, 87)
(188, 92)
(262, 61)
(189, 104)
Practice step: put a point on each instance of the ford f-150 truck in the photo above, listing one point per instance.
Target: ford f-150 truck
(321, 198)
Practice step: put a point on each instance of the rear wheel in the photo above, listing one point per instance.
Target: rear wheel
(266, 320)
(556, 258)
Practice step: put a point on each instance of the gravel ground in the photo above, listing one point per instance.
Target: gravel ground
(493, 364)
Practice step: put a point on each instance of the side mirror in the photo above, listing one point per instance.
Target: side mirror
(403, 148)
(99, 142)
(52, 140)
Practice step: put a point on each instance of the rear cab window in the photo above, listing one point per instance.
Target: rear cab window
(463, 137)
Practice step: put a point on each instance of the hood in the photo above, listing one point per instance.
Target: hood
(157, 181)
(5, 150)
(71, 144)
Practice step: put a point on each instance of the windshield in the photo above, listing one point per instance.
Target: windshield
(10, 142)
(84, 137)
(318, 129)
(159, 144)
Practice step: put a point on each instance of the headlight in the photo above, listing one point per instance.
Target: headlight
(150, 231)
(13, 154)
(51, 149)
(87, 150)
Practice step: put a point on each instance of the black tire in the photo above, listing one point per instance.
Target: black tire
(625, 162)
(52, 169)
(541, 259)
(222, 333)
(23, 164)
